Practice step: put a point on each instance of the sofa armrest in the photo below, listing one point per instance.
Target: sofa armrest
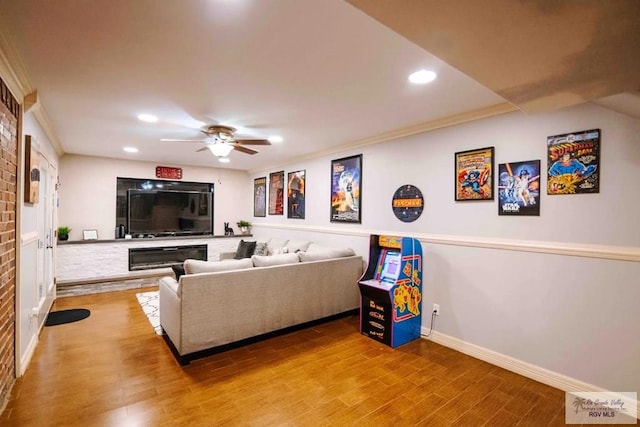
(171, 309)
(227, 255)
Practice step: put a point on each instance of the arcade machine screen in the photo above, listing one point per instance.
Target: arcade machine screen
(390, 267)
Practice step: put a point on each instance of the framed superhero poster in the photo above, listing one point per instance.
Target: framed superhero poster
(295, 194)
(573, 162)
(276, 193)
(260, 197)
(346, 186)
(474, 174)
(519, 188)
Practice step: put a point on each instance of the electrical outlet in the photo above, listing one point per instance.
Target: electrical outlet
(436, 309)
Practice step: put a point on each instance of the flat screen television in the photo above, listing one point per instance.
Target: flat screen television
(168, 213)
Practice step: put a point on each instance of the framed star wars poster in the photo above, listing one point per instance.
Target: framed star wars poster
(519, 188)
(573, 161)
(474, 174)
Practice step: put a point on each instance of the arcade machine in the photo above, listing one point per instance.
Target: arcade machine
(391, 290)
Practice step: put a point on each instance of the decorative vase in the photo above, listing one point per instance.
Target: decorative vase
(245, 230)
(63, 237)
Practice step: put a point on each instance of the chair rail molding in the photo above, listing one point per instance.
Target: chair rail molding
(618, 253)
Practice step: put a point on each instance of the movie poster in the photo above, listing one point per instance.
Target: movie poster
(474, 174)
(519, 188)
(573, 160)
(295, 194)
(345, 189)
(260, 197)
(276, 193)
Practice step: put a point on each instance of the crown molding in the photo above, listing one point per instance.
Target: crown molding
(456, 119)
(15, 75)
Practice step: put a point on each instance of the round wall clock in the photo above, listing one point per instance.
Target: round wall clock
(407, 203)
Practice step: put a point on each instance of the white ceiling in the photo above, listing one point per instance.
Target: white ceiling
(320, 73)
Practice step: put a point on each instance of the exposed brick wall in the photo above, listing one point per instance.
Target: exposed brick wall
(8, 186)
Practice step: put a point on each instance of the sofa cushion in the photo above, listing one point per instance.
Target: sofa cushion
(278, 259)
(297, 245)
(261, 249)
(193, 266)
(317, 252)
(178, 270)
(275, 246)
(245, 249)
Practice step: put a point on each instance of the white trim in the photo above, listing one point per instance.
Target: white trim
(28, 354)
(456, 119)
(27, 238)
(17, 79)
(618, 253)
(534, 372)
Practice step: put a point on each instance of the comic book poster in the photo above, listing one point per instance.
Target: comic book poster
(295, 194)
(260, 197)
(519, 188)
(276, 193)
(345, 189)
(474, 175)
(573, 160)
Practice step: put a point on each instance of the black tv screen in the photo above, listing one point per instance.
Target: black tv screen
(167, 213)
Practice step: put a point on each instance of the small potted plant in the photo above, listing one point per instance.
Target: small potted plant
(63, 233)
(244, 226)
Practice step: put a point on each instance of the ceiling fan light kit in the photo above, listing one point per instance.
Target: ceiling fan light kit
(220, 149)
(220, 141)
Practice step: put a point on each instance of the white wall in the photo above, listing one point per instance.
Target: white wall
(88, 192)
(554, 291)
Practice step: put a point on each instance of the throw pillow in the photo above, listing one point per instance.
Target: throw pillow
(280, 259)
(298, 245)
(275, 245)
(245, 249)
(317, 252)
(178, 270)
(261, 249)
(194, 266)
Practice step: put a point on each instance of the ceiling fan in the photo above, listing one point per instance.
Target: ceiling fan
(220, 141)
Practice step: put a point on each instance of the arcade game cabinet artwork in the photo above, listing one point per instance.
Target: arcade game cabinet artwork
(391, 290)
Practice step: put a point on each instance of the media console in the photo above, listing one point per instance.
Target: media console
(96, 261)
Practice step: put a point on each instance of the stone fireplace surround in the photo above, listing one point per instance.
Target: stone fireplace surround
(94, 261)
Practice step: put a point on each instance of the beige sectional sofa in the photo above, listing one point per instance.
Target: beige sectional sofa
(223, 304)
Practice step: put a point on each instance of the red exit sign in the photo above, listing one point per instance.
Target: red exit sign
(168, 172)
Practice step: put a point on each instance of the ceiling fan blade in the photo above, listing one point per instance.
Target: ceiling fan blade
(244, 149)
(252, 141)
(205, 148)
(182, 140)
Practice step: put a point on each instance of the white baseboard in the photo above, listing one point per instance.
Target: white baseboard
(545, 376)
(26, 357)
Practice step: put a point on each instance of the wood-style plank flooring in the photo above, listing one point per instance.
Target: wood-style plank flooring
(111, 369)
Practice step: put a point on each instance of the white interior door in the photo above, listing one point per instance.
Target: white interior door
(46, 221)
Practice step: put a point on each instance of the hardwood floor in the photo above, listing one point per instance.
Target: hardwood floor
(111, 369)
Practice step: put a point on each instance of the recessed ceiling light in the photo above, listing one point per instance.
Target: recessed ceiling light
(130, 149)
(421, 77)
(224, 159)
(149, 118)
(275, 139)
